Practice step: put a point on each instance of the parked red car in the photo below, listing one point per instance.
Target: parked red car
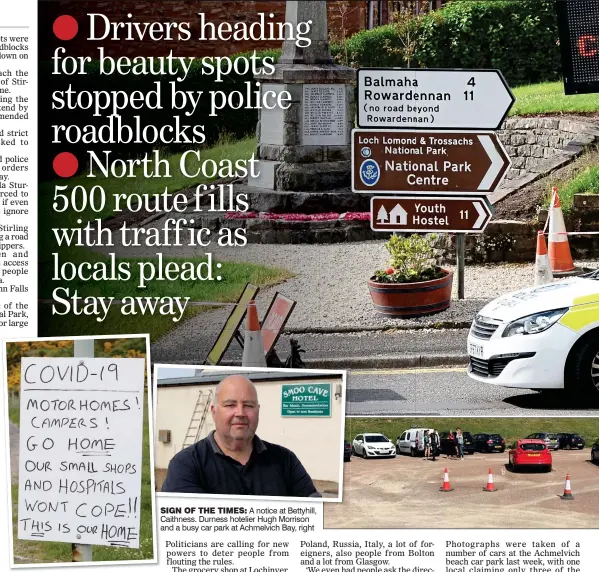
(530, 453)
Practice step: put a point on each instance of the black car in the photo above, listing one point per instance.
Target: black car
(448, 445)
(346, 451)
(489, 443)
(595, 452)
(570, 441)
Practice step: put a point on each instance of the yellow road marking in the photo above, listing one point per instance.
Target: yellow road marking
(400, 371)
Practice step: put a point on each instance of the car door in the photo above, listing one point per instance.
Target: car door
(359, 445)
(405, 442)
(399, 441)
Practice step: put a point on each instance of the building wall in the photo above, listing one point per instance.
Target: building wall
(317, 441)
(344, 17)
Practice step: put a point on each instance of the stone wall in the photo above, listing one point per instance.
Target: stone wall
(538, 146)
(344, 18)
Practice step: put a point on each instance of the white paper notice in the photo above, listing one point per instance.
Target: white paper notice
(80, 455)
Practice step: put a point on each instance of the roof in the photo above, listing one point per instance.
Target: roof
(212, 377)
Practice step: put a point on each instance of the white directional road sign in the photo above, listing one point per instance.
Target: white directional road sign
(398, 98)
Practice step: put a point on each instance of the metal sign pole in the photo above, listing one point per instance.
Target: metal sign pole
(82, 552)
(460, 245)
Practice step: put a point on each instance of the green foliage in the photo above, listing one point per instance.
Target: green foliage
(586, 183)
(412, 259)
(518, 37)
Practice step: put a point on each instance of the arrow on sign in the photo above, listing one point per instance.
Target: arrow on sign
(482, 215)
(398, 211)
(497, 163)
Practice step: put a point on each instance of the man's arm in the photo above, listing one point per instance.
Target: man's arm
(183, 476)
(300, 484)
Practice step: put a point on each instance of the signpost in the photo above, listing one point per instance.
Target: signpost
(430, 214)
(427, 161)
(306, 400)
(80, 455)
(400, 98)
(578, 22)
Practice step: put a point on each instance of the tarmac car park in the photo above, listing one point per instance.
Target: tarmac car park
(545, 337)
(382, 495)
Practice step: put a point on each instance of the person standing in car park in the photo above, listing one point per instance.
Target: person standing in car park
(460, 444)
(427, 444)
(435, 444)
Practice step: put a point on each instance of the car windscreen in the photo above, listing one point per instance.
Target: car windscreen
(532, 447)
(551, 436)
(376, 439)
(495, 436)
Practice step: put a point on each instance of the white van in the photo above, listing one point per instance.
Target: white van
(411, 442)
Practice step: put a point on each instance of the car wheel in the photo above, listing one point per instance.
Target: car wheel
(353, 451)
(549, 468)
(412, 452)
(568, 447)
(364, 454)
(585, 370)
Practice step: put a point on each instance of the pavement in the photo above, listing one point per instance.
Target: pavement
(403, 492)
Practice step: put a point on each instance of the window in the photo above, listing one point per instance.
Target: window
(533, 446)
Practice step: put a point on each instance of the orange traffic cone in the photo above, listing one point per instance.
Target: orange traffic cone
(543, 273)
(253, 348)
(560, 257)
(446, 488)
(490, 488)
(567, 490)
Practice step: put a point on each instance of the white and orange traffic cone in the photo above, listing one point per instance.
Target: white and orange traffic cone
(560, 257)
(446, 488)
(253, 348)
(543, 274)
(490, 488)
(567, 489)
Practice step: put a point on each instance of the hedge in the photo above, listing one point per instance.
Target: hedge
(518, 37)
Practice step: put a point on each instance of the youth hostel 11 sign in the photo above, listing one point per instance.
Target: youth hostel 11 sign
(306, 400)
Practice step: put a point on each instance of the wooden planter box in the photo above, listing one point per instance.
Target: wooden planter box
(413, 299)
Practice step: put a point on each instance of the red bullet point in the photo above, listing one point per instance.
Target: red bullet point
(65, 27)
(65, 164)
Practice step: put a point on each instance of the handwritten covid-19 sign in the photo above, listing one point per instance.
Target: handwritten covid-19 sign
(80, 452)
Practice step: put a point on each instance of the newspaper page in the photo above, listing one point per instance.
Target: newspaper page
(300, 286)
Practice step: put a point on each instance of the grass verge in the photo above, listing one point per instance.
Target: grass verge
(510, 429)
(548, 98)
(584, 181)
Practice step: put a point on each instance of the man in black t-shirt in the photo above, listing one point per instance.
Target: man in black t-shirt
(233, 459)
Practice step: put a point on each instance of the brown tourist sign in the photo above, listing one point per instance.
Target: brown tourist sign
(429, 214)
(448, 163)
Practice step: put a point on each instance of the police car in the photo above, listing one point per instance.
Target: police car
(545, 337)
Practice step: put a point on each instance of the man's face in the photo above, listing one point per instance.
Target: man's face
(236, 413)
